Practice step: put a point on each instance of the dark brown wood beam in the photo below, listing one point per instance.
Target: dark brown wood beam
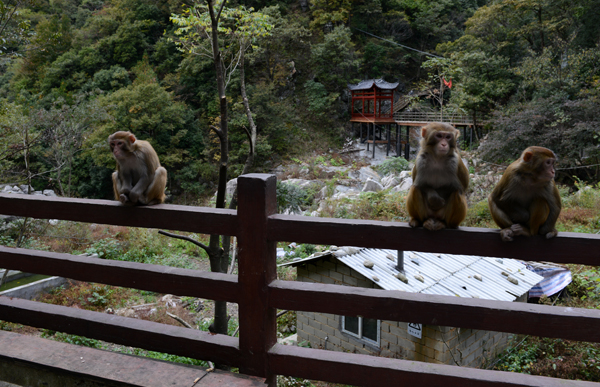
(201, 220)
(123, 330)
(567, 247)
(257, 269)
(33, 361)
(161, 279)
(502, 316)
(365, 370)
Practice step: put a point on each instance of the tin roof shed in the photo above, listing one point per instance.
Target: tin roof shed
(499, 279)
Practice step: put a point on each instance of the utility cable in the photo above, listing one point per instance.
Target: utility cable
(398, 44)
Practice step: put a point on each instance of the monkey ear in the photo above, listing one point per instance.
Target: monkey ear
(423, 132)
(457, 134)
(527, 156)
(132, 138)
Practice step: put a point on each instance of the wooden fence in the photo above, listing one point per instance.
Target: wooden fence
(455, 119)
(259, 293)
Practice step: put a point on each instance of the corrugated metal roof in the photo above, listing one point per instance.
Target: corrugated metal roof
(368, 83)
(442, 274)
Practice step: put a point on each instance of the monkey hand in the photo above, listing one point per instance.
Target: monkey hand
(551, 234)
(433, 225)
(413, 223)
(506, 234)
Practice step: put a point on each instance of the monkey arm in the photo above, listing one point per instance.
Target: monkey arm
(463, 175)
(548, 229)
(499, 216)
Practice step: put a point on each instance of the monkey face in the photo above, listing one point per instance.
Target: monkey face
(121, 144)
(119, 148)
(444, 141)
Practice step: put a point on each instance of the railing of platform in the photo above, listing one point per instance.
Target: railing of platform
(259, 293)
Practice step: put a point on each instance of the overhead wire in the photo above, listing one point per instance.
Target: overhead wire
(398, 44)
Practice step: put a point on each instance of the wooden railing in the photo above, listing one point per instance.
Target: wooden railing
(259, 293)
(456, 119)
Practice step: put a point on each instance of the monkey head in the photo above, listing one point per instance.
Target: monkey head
(439, 137)
(121, 144)
(540, 162)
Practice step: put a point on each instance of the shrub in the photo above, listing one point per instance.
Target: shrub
(393, 165)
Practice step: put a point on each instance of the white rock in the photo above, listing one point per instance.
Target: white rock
(390, 183)
(372, 186)
(404, 174)
(49, 192)
(366, 173)
(404, 186)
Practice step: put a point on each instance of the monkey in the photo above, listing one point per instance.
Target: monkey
(139, 178)
(436, 199)
(526, 201)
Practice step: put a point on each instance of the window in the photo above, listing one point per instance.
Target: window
(362, 328)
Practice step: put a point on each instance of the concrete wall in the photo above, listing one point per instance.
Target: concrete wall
(31, 290)
(444, 345)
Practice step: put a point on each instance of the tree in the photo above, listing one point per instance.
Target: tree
(66, 128)
(14, 30)
(224, 35)
(439, 68)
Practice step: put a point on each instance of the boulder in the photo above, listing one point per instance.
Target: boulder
(372, 186)
(391, 182)
(404, 185)
(366, 173)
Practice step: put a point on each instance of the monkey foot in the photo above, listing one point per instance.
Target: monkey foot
(551, 234)
(124, 199)
(413, 223)
(433, 225)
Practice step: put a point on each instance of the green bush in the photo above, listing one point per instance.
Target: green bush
(393, 165)
(292, 197)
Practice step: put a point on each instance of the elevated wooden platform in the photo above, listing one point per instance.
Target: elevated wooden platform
(33, 361)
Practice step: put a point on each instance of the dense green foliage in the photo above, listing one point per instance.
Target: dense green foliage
(532, 64)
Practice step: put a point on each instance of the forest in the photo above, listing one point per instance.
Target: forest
(73, 72)
(275, 96)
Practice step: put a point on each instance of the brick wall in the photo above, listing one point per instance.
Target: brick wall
(446, 345)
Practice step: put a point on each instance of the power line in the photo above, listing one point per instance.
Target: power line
(398, 44)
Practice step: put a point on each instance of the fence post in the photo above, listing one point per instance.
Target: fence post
(257, 200)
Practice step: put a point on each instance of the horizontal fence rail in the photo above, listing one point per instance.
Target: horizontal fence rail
(258, 292)
(433, 117)
(502, 316)
(567, 247)
(143, 276)
(201, 220)
(123, 330)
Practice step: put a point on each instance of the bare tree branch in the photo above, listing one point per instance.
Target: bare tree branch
(200, 244)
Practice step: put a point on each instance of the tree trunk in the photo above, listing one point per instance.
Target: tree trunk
(219, 258)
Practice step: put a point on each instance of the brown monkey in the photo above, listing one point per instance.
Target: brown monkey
(436, 199)
(139, 178)
(526, 200)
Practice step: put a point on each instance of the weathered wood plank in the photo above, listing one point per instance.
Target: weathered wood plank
(514, 317)
(27, 360)
(257, 269)
(567, 247)
(201, 220)
(122, 330)
(364, 370)
(162, 279)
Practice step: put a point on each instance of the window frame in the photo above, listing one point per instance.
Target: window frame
(360, 335)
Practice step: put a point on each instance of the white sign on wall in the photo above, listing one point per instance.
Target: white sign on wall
(415, 330)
